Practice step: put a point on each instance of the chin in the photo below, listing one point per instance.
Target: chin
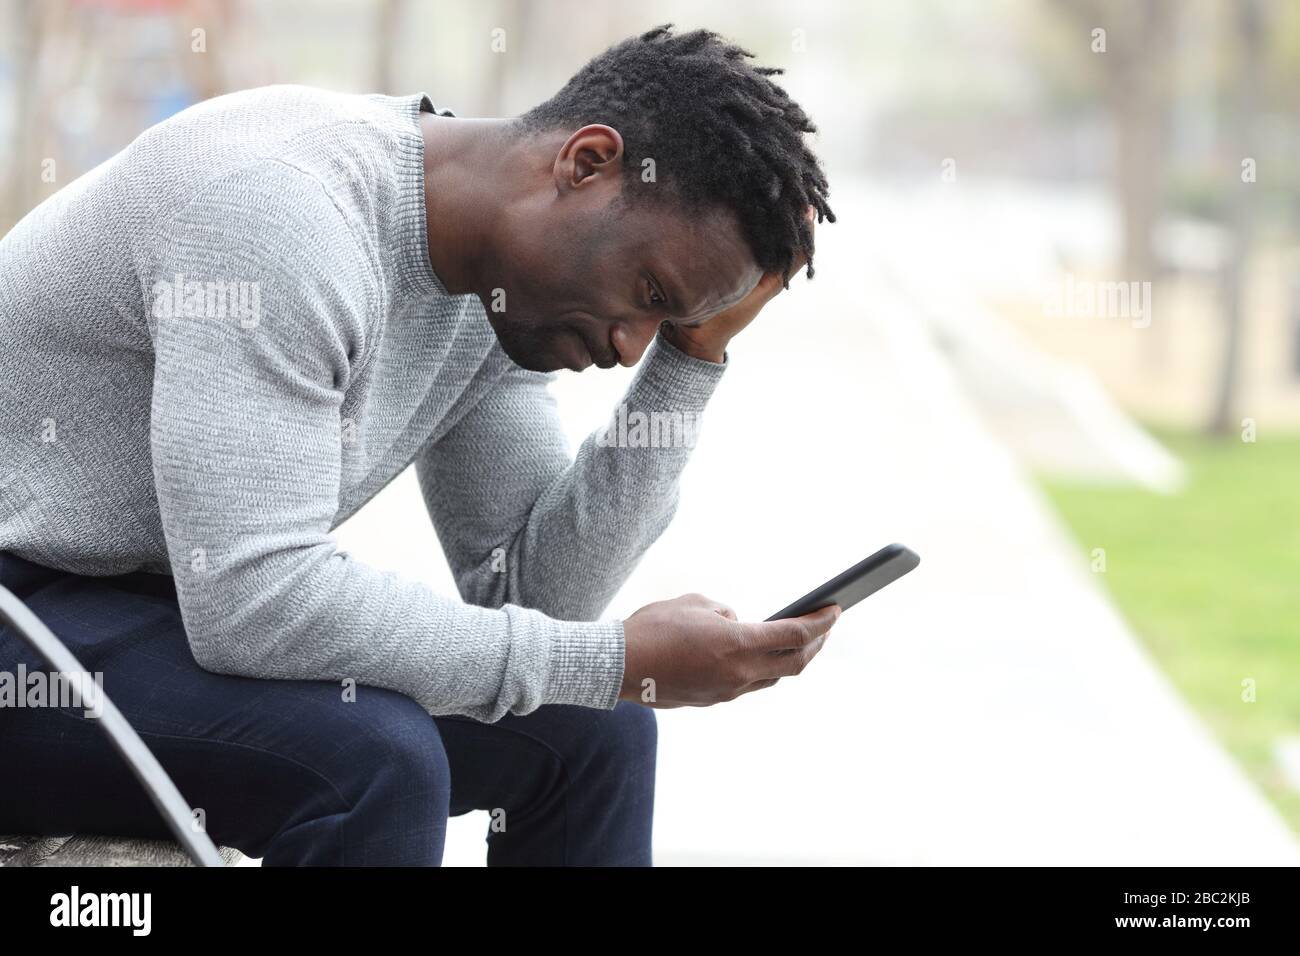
(531, 355)
(537, 363)
(524, 350)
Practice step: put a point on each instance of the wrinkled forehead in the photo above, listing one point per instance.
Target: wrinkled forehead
(701, 253)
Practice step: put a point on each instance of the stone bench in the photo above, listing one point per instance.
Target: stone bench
(99, 851)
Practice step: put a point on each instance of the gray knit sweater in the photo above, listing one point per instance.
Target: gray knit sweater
(226, 339)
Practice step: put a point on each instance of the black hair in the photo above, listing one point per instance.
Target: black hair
(719, 130)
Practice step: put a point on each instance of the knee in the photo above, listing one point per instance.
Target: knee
(629, 738)
(328, 780)
(397, 742)
(381, 749)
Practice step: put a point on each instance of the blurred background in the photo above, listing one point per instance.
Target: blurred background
(1053, 345)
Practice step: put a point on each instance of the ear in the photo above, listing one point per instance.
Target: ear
(592, 155)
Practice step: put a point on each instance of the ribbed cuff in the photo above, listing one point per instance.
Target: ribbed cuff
(586, 663)
(670, 380)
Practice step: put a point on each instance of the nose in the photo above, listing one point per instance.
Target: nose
(631, 337)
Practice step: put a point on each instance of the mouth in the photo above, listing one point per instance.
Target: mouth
(575, 355)
(581, 355)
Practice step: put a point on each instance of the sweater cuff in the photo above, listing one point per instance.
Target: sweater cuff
(670, 380)
(586, 663)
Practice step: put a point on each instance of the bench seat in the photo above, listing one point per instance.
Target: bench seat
(99, 851)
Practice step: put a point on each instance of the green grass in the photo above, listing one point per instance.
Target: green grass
(1210, 580)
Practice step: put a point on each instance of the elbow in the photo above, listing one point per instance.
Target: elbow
(217, 649)
(211, 661)
(489, 589)
(212, 654)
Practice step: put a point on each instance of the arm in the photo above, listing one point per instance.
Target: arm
(246, 451)
(523, 523)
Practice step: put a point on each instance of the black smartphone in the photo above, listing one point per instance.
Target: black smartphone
(862, 580)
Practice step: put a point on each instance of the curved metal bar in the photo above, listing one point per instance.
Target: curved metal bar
(125, 740)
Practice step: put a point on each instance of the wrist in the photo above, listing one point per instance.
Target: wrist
(716, 357)
(703, 349)
(626, 692)
(631, 689)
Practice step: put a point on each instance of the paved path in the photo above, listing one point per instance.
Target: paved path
(991, 708)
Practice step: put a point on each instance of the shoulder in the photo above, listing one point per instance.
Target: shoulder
(272, 210)
(275, 229)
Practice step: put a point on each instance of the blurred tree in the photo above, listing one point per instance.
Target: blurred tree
(389, 16)
(1133, 70)
(519, 20)
(210, 73)
(1241, 96)
(23, 159)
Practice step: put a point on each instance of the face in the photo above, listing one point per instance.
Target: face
(585, 280)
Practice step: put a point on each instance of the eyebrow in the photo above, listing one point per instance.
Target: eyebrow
(674, 303)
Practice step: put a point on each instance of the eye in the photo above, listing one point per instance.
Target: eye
(652, 291)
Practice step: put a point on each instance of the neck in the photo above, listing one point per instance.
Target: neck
(465, 193)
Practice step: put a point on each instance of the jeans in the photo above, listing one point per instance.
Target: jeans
(293, 771)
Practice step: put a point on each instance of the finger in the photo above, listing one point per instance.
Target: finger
(800, 260)
(759, 685)
(791, 663)
(794, 632)
(726, 612)
(769, 286)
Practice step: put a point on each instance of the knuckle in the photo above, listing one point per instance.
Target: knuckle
(802, 634)
(744, 634)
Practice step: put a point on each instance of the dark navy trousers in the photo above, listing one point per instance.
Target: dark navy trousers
(291, 771)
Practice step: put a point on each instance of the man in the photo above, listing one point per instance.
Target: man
(225, 340)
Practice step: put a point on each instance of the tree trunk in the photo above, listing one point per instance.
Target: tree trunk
(24, 169)
(1241, 213)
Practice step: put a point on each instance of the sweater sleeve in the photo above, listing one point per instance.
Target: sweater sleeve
(523, 521)
(246, 441)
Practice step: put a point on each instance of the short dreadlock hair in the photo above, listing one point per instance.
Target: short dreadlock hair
(719, 131)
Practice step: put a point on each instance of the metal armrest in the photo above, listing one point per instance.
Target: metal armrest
(125, 740)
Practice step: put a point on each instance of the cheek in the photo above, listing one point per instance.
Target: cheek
(556, 290)
(524, 297)
(518, 281)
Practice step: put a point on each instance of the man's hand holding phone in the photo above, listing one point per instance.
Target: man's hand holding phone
(692, 652)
